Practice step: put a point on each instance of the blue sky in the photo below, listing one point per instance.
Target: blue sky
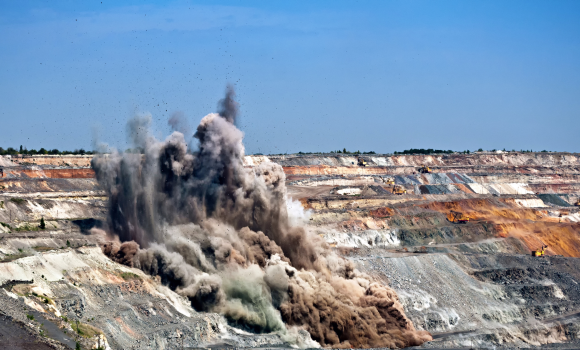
(310, 76)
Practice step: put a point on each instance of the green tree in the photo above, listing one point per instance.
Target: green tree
(42, 224)
(78, 346)
(67, 243)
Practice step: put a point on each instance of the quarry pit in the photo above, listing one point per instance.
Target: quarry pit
(471, 284)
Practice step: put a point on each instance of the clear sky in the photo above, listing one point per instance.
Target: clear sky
(310, 75)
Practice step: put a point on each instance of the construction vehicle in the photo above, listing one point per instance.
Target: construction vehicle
(399, 190)
(361, 162)
(540, 252)
(459, 218)
(389, 181)
(577, 202)
(425, 170)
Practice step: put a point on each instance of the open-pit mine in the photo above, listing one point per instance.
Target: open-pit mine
(171, 249)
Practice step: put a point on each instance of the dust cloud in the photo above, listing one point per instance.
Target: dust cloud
(220, 234)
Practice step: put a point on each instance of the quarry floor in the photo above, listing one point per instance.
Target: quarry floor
(472, 285)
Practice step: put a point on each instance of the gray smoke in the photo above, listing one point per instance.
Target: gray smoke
(228, 107)
(219, 234)
(178, 122)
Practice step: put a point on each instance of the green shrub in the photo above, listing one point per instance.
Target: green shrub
(128, 276)
(42, 224)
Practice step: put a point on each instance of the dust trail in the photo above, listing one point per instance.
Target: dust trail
(220, 234)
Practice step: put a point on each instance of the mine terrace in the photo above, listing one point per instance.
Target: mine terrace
(463, 248)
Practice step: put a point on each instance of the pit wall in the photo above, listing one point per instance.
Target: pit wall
(440, 183)
(76, 161)
(510, 217)
(318, 170)
(481, 159)
(70, 173)
(335, 160)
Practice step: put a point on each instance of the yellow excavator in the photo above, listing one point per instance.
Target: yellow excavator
(425, 170)
(399, 190)
(361, 162)
(540, 252)
(389, 181)
(459, 218)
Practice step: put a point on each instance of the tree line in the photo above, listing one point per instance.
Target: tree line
(12, 151)
(426, 151)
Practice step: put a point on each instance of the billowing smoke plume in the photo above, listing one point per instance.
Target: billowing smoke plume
(219, 234)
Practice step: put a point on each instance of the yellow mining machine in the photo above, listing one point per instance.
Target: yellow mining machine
(389, 181)
(425, 170)
(361, 162)
(459, 218)
(540, 252)
(399, 190)
(577, 202)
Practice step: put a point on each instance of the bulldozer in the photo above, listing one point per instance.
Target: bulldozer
(425, 170)
(399, 190)
(540, 252)
(361, 162)
(459, 218)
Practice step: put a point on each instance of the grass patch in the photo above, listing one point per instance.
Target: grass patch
(129, 276)
(43, 249)
(12, 257)
(85, 330)
(17, 200)
(30, 317)
(26, 227)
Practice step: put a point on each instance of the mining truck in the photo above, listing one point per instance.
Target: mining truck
(459, 218)
(361, 162)
(577, 202)
(399, 190)
(425, 170)
(540, 252)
